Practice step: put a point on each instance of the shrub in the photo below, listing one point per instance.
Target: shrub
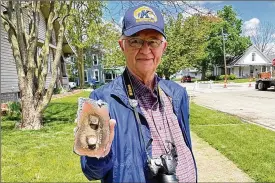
(221, 77)
(57, 90)
(232, 76)
(14, 110)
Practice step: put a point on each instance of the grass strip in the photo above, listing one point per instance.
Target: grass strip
(249, 146)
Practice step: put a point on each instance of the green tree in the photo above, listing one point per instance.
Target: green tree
(173, 58)
(113, 56)
(196, 34)
(187, 41)
(83, 27)
(235, 43)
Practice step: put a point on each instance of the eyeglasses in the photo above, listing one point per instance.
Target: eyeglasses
(138, 43)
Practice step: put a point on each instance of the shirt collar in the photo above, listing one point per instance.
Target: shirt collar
(140, 89)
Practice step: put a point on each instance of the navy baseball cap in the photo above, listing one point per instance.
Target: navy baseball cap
(142, 17)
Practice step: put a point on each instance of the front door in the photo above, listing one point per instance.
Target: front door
(240, 72)
(251, 70)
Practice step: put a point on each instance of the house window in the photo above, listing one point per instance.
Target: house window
(263, 68)
(108, 76)
(96, 75)
(85, 76)
(95, 59)
(253, 56)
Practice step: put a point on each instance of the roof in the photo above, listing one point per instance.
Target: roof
(235, 60)
(239, 58)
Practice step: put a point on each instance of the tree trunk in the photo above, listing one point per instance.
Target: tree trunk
(203, 69)
(203, 73)
(80, 66)
(31, 117)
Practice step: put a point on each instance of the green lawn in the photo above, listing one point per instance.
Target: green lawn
(250, 147)
(241, 80)
(46, 155)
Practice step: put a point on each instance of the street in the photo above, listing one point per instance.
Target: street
(238, 99)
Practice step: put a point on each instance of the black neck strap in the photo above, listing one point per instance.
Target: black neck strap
(134, 103)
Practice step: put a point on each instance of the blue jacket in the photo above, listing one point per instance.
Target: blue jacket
(126, 161)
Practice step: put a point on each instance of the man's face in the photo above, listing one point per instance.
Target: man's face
(145, 60)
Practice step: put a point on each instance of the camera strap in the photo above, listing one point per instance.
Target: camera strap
(172, 142)
(134, 103)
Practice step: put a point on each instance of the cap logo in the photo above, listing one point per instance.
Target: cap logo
(145, 14)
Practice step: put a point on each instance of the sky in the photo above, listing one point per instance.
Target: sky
(251, 12)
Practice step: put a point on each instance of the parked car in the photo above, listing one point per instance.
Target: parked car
(186, 79)
(72, 85)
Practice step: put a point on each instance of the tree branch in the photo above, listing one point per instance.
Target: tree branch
(46, 98)
(9, 22)
(20, 32)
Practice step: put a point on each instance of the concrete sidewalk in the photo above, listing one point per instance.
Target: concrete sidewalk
(213, 166)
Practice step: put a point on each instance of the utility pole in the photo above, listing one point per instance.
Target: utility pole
(224, 59)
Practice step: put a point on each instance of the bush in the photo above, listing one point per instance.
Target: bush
(14, 110)
(232, 76)
(57, 90)
(221, 77)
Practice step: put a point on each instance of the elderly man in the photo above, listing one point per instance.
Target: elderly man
(150, 140)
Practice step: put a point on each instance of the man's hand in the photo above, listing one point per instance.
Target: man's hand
(95, 131)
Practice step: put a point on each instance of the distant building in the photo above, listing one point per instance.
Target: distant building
(94, 70)
(192, 72)
(250, 63)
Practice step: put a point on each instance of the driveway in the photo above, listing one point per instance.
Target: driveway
(238, 99)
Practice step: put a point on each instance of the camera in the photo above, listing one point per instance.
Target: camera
(163, 168)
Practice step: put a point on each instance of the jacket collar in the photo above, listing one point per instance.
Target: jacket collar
(119, 91)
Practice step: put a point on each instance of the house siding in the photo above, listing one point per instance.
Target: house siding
(6, 97)
(9, 79)
(258, 58)
(41, 27)
(49, 75)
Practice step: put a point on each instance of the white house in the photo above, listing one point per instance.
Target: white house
(192, 72)
(252, 62)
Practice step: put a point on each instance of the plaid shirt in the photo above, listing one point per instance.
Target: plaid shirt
(158, 118)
